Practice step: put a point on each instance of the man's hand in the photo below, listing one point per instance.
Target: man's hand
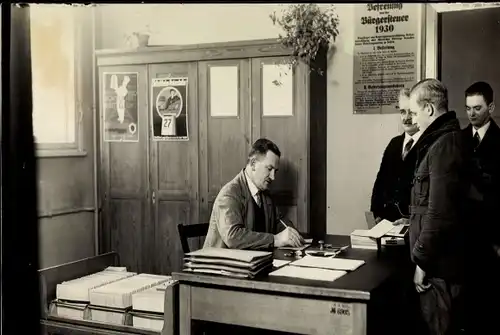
(401, 221)
(419, 280)
(289, 237)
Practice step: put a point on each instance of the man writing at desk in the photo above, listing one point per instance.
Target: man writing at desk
(244, 215)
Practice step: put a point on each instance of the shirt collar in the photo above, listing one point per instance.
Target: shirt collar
(414, 137)
(482, 130)
(253, 189)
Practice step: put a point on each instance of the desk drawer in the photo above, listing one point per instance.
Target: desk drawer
(275, 312)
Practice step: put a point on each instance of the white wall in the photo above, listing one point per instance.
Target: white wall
(355, 142)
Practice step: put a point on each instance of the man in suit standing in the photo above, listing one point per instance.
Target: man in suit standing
(244, 215)
(482, 137)
(391, 190)
(438, 202)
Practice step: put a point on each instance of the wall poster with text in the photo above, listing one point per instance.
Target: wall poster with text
(120, 108)
(169, 109)
(387, 54)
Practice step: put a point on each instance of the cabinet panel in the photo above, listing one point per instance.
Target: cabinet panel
(224, 140)
(291, 134)
(174, 174)
(126, 224)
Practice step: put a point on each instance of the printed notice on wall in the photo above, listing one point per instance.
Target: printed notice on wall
(119, 99)
(169, 109)
(386, 54)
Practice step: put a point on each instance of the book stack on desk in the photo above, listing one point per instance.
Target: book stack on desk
(385, 230)
(229, 262)
(148, 306)
(73, 296)
(110, 303)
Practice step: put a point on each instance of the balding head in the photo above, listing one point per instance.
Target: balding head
(428, 100)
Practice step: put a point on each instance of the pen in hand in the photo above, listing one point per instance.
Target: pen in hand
(283, 223)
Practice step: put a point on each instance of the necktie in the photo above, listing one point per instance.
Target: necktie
(476, 140)
(407, 148)
(258, 199)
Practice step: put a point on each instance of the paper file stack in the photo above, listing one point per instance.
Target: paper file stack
(109, 303)
(152, 299)
(77, 290)
(360, 240)
(229, 262)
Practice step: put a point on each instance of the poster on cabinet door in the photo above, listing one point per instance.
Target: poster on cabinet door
(120, 108)
(387, 54)
(169, 109)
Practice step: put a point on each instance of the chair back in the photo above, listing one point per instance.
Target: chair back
(190, 231)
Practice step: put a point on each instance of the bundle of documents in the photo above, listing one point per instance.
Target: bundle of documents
(119, 293)
(384, 230)
(78, 289)
(229, 262)
(148, 321)
(110, 315)
(152, 299)
(70, 310)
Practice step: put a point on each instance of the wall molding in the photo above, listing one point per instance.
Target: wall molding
(63, 212)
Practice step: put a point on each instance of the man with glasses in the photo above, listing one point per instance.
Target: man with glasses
(391, 191)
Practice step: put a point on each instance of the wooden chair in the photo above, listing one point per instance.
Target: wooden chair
(190, 231)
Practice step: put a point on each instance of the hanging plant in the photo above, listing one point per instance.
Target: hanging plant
(308, 28)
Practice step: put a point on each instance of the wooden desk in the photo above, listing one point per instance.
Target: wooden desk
(348, 305)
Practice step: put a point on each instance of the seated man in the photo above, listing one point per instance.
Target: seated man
(244, 215)
(391, 190)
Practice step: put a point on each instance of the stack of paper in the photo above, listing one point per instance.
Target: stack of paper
(109, 315)
(152, 322)
(330, 263)
(70, 310)
(366, 239)
(229, 262)
(78, 289)
(153, 299)
(119, 294)
(360, 239)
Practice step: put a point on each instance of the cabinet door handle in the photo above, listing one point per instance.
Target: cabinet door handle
(153, 197)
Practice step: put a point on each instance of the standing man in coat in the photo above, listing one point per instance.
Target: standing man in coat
(244, 215)
(438, 199)
(482, 137)
(391, 191)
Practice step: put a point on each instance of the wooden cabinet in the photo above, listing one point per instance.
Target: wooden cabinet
(149, 186)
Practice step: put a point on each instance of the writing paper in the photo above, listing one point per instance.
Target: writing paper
(328, 263)
(277, 90)
(308, 273)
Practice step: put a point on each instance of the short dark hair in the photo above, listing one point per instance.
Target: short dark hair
(480, 88)
(262, 146)
(431, 91)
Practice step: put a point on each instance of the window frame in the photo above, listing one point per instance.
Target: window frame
(74, 148)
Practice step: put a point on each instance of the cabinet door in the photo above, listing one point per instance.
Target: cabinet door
(225, 126)
(280, 112)
(126, 226)
(174, 173)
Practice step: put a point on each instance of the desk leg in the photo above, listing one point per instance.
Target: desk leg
(184, 310)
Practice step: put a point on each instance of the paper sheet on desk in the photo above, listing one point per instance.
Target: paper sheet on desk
(304, 247)
(308, 273)
(328, 263)
(382, 228)
(277, 263)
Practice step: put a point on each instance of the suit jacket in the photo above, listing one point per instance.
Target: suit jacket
(233, 215)
(393, 183)
(486, 167)
(438, 200)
